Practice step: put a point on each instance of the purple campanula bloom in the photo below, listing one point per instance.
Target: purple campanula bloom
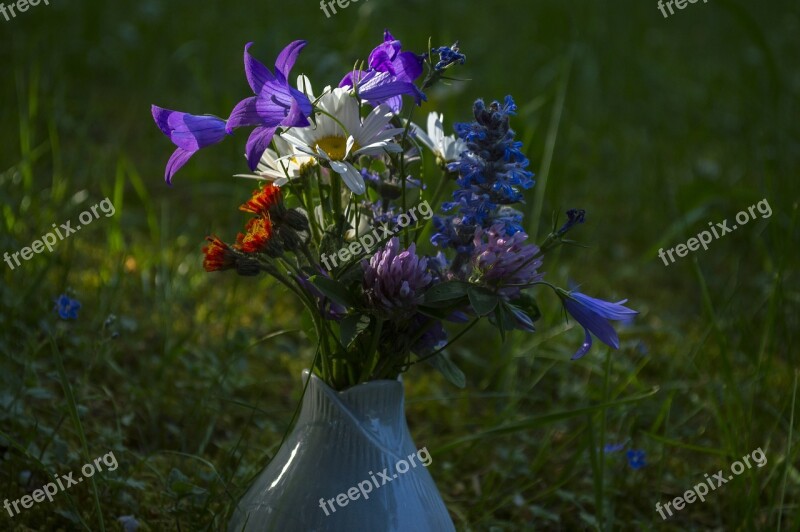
(391, 74)
(275, 104)
(501, 259)
(394, 278)
(189, 133)
(593, 314)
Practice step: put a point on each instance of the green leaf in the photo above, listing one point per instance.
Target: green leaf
(483, 301)
(333, 289)
(446, 292)
(450, 371)
(351, 326)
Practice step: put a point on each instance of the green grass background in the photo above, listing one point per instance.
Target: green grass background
(655, 126)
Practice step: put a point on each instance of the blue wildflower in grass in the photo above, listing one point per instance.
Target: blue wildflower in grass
(491, 176)
(391, 73)
(275, 104)
(129, 523)
(636, 458)
(189, 133)
(593, 314)
(448, 56)
(67, 308)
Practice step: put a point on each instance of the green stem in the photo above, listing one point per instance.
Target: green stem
(373, 356)
(73, 410)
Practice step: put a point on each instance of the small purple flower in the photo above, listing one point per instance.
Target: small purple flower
(189, 133)
(394, 278)
(275, 104)
(391, 74)
(593, 314)
(434, 337)
(67, 308)
(500, 259)
(636, 458)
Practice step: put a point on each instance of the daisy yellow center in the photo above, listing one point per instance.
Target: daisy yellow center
(335, 147)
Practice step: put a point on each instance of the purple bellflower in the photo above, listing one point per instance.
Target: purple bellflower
(391, 74)
(275, 104)
(189, 133)
(593, 314)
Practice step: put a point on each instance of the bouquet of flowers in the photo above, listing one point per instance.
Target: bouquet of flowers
(343, 219)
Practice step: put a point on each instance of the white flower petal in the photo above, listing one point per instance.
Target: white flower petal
(304, 86)
(322, 153)
(423, 137)
(351, 177)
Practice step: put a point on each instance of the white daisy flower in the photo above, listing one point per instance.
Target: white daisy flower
(341, 135)
(447, 148)
(281, 166)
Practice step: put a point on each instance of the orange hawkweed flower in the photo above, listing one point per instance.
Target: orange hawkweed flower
(258, 231)
(262, 200)
(218, 255)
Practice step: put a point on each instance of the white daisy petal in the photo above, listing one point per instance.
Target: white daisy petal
(304, 86)
(323, 153)
(351, 177)
(423, 137)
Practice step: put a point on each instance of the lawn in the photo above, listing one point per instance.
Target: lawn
(660, 128)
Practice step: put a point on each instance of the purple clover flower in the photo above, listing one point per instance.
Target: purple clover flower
(275, 104)
(394, 278)
(593, 314)
(189, 133)
(500, 259)
(391, 74)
